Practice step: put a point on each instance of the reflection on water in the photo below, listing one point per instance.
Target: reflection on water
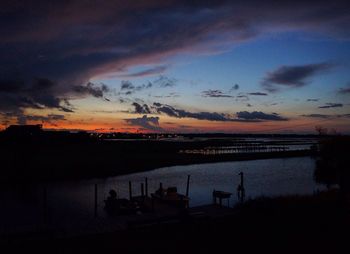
(73, 202)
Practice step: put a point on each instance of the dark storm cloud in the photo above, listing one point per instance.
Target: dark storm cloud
(147, 123)
(332, 105)
(71, 42)
(258, 115)
(39, 93)
(215, 94)
(292, 76)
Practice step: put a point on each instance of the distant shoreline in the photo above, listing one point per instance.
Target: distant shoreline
(83, 167)
(190, 159)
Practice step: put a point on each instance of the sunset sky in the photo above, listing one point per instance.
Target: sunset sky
(176, 66)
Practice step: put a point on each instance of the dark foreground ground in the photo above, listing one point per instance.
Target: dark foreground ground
(315, 224)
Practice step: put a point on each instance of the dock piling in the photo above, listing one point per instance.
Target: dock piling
(240, 189)
(188, 185)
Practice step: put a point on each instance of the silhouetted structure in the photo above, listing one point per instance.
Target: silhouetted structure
(24, 130)
(221, 195)
(240, 189)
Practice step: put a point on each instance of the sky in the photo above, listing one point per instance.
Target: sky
(176, 66)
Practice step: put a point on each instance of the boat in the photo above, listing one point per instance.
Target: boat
(171, 197)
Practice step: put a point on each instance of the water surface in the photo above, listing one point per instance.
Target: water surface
(23, 206)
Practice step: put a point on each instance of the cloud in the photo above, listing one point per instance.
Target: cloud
(332, 105)
(91, 89)
(169, 95)
(344, 90)
(242, 97)
(215, 94)
(71, 42)
(126, 85)
(164, 82)
(243, 116)
(317, 116)
(22, 118)
(147, 123)
(128, 88)
(234, 87)
(258, 94)
(323, 116)
(293, 76)
(45, 119)
(312, 100)
(141, 109)
(39, 93)
(180, 113)
(145, 73)
(258, 115)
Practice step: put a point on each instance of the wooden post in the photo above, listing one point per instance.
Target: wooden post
(95, 213)
(142, 190)
(240, 189)
(188, 185)
(130, 190)
(241, 174)
(146, 185)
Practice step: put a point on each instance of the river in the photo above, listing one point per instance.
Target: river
(72, 201)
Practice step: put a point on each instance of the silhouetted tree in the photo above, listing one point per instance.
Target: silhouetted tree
(333, 165)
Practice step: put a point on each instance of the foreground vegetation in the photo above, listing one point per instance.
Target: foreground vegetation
(296, 224)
